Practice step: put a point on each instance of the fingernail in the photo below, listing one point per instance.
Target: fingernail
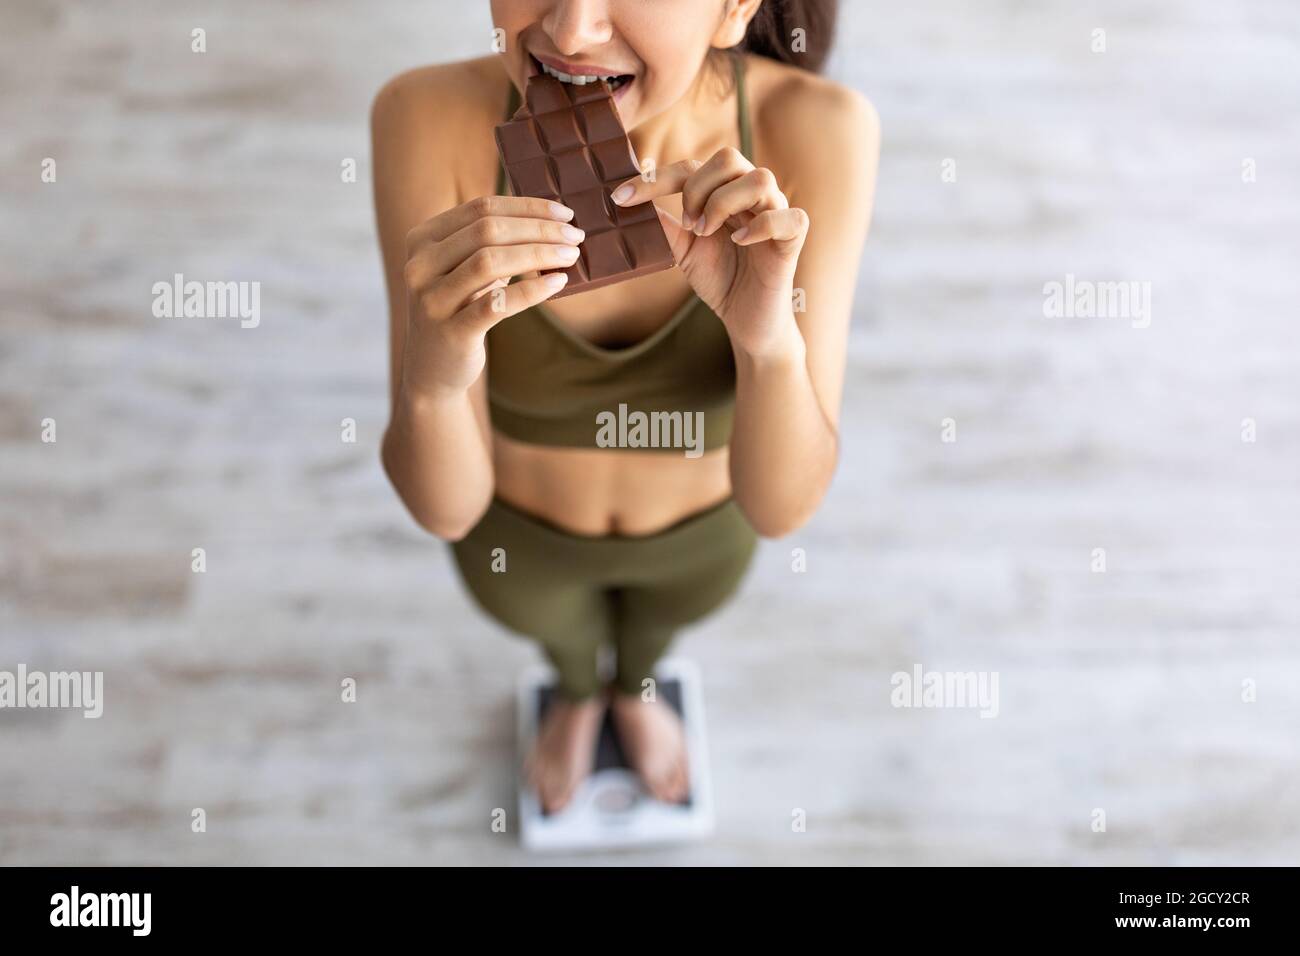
(561, 212)
(568, 253)
(688, 221)
(740, 234)
(554, 280)
(622, 194)
(572, 234)
(699, 226)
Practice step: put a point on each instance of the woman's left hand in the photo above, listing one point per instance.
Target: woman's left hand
(738, 242)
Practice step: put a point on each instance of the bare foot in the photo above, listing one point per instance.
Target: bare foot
(565, 749)
(655, 743)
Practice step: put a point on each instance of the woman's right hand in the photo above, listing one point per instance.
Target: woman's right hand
(456, 262)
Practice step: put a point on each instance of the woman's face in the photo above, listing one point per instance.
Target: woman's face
(653, 48)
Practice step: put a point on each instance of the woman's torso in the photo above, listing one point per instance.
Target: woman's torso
(601, 491)
(550, 390)
(593, 491)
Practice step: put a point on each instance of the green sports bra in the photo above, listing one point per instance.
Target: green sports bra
(547, 385)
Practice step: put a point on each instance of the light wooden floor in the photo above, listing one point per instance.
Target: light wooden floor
(1119, 691)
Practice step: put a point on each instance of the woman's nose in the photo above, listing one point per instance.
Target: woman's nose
(576, 25)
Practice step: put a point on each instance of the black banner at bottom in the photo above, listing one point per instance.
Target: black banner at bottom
(335, 906)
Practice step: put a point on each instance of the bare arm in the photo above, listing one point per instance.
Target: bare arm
(446, 267)
(785, 442)
(745, 250)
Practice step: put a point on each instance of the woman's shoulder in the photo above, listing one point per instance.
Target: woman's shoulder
(446, 86)
(436, 121)
(781, 94)
(804, 122)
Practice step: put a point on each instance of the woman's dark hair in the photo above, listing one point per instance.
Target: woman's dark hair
(771, 32)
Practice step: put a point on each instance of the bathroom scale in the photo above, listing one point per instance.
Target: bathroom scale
(612, 809)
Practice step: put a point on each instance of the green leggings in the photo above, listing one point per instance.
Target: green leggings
(573, 593)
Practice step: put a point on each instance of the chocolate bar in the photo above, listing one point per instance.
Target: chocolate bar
(567, 143)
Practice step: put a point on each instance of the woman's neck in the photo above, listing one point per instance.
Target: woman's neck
(693, 127)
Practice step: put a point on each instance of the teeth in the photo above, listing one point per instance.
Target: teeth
(575, 80)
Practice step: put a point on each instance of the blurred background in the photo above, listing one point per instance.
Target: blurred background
(1120, 691)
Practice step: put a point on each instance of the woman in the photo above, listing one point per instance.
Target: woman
(764, 180)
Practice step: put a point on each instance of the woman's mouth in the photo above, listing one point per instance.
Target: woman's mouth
(582, 75)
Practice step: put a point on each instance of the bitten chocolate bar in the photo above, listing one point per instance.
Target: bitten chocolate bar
(567, 143)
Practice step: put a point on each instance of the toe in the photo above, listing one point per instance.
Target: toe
(564, 793)
(552, 792)
(661, 783)
(673, 785)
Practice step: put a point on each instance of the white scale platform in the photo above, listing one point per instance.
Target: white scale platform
(612, 809)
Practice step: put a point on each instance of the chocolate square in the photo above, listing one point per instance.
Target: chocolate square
(604, 255)
(568, 142)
